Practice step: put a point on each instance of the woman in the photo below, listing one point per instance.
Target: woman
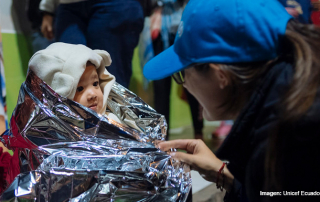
(251, 62)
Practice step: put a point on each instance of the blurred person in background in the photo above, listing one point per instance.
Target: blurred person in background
(249, 61)
(111, 25)
(315, 14)
(164, 21)
(299, 9)
(3, 93)
(38, 42)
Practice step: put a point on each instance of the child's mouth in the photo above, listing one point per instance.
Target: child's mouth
(93, 107)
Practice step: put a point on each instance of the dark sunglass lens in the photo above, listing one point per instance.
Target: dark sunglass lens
(182, 76)
(177, 78)
(182, 73)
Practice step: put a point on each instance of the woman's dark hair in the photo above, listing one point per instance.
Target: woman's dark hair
(302, 46)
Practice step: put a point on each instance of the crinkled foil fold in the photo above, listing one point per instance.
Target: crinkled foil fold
(67, 152)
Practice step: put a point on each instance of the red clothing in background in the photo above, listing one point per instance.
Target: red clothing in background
(5, 159)
(315, 15)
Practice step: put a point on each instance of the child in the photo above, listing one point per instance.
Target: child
(73, 71)
(77, 73)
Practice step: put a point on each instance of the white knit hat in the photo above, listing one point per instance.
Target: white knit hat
(61, 66)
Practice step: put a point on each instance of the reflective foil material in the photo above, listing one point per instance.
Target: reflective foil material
(67, 152)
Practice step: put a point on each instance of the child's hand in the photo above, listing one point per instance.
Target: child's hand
(47, 26)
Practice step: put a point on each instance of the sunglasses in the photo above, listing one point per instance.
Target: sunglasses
(179, 77)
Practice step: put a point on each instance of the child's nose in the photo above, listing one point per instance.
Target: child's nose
(92, 95)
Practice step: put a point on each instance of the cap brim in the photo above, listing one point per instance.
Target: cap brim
(164, 65)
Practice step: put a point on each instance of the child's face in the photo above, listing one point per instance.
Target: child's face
(88, 91)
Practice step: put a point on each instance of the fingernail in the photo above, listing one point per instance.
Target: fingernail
(172, 154)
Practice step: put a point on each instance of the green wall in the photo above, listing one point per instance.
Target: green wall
(17, 52)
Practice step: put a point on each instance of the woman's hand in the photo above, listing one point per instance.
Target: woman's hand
(200, 158)
(47, 26)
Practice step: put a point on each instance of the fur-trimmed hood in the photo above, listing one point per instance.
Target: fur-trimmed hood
(61, 66)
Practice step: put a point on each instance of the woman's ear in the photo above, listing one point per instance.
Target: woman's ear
(220, 75)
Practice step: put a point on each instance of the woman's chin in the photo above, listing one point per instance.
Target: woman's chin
(207, 116)
(212, 117)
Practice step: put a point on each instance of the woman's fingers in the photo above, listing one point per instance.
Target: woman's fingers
(188, 145)
(183, 157)
(199, 156)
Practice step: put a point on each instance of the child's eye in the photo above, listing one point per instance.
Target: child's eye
(96, 83)
(80, 88)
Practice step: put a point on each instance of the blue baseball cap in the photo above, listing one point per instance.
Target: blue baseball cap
(222, 31)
